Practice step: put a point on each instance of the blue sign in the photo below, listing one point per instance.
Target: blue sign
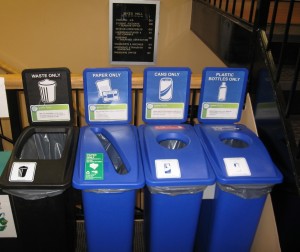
(107, 93)
(222, 94)
(166, 94)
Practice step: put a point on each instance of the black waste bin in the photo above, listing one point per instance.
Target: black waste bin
(38, 175)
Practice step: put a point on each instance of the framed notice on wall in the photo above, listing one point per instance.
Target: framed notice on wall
(133, 31)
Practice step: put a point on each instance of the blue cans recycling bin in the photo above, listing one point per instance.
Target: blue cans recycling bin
(175, 167)
(108, 167)
(245, 173)
(176, 173)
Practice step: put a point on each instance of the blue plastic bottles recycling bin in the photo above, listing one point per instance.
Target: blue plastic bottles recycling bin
(108, 166)
(245, 174)
(244, 171)
(175, 166)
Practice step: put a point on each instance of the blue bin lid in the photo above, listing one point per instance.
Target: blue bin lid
(166, 95)
(92, 157)
(237, 155)
(222, 96)
(178, 167)
(107, 94)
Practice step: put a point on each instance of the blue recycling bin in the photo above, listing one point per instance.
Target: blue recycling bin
(245, 174)
(176, 173)
(176, 169)
(108, 167)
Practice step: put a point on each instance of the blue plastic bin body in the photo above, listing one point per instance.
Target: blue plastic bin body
(229, 221)
(109, 220)
(232, 222)
(109, 202)
(171, 221)
(172, 203)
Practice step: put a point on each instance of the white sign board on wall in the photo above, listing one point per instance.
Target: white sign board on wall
(3, 100)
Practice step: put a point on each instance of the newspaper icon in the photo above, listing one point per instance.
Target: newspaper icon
(106, 92)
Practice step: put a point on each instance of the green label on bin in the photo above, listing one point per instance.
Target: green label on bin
(93, 166)
(50, 112)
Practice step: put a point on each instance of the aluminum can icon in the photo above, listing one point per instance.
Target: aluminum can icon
(47, 90)
(165, 89)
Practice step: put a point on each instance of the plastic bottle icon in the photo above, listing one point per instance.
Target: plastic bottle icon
(222, 92)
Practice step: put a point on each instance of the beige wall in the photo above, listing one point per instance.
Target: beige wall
(74, 34)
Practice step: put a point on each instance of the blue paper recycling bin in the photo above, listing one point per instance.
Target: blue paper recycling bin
(176, 169)
(108, 166)
(245, 174)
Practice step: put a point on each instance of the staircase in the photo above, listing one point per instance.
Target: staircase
(264, 36)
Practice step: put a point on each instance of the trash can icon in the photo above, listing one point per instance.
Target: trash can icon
(22, 171)
(47, 90)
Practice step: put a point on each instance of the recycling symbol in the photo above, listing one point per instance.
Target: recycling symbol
(3, 222)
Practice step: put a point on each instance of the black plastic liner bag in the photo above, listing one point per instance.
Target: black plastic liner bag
(113, 155)
(44, 146)
(41, 146)
(173, 144)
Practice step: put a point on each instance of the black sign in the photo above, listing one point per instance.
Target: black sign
(48, 96)
(133, 32)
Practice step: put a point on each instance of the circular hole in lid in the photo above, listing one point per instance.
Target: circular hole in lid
(236, 139)
(173, 140)
(173, 144)
(235, 143)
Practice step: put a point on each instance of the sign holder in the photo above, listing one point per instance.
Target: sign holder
(222, 94)
(166, 95)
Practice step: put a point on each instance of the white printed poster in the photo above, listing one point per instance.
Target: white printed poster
(7, 224)
(3, 100)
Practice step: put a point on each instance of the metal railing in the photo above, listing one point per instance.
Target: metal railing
(274, 64)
